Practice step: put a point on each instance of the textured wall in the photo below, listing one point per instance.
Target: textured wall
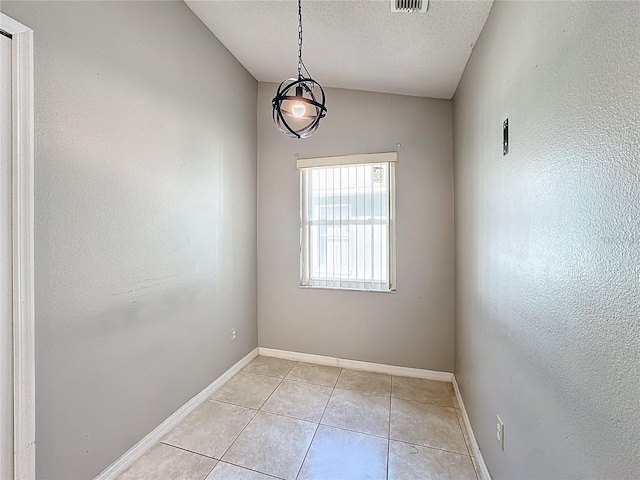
(145, 212)
(548, 239)
(413, 327)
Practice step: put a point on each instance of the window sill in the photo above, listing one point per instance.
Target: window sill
(342, 289)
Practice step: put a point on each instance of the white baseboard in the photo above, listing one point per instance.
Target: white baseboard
(484, 473)
(357, 365)
(143, 446)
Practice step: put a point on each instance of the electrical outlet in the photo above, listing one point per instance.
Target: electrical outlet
(500, 433)
(233, 334)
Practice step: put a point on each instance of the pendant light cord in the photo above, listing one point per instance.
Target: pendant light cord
(299, 38)
(301, 64)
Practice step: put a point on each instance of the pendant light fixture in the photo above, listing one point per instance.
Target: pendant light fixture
(298, 115)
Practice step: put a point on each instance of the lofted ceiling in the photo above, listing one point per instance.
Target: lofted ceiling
(349, 43)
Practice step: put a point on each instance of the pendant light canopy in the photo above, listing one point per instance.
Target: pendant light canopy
(299, 102)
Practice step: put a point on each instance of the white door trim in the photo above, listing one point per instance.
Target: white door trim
(22, 226)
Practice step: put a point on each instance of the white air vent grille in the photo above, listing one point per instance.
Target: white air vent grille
(409, 6)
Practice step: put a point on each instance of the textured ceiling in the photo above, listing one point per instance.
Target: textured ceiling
(351, 44)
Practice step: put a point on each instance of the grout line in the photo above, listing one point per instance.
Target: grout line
(308, 448)
(187, 450)
(430, 448)
(241, 432)
(254, 416)
(354, 431)
(308, 383)
(227, 402)
(292, 418)
(330, 396)
(426, 403)
(205, 478)
(271, 394)
(362, 393)
(263, 374)
(317, 427)
(247, 468)
(214, 466)
(249, 422)
(294, 364)
(266, 412)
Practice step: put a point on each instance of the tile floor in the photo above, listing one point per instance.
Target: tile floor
(293, 420)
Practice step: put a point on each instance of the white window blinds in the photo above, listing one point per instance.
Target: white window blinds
(347, 222)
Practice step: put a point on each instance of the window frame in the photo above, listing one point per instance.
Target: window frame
(304, 165)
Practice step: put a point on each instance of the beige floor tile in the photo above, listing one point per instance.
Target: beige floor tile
(274, 367)
(427, 425)
(163, 461)
(247, 390)
(272, 444)
(419, 390)
(365, 382)
(358, 412)
(298, 400)
(338, 454)
(413, 462)
(316, 374)
(210, 429)
(226, 471)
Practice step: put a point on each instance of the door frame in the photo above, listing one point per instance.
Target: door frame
(22, 246)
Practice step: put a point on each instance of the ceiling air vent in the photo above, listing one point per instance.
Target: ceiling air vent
(409, 6)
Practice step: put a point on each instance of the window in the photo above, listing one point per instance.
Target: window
(348, 222)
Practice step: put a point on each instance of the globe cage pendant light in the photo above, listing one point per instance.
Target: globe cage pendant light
(298, 115)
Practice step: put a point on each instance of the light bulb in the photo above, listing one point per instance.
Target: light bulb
(298, 109)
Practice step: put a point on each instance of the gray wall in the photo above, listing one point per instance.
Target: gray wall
(548, 239)
(413, 327)
(145, 205)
